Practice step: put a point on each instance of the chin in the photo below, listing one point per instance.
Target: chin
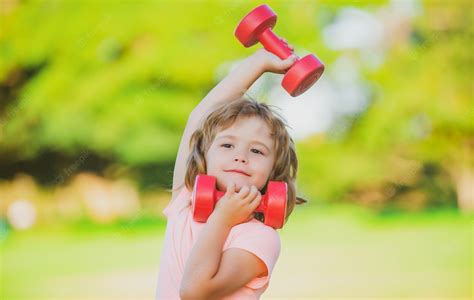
(223, 186)
(239, 182)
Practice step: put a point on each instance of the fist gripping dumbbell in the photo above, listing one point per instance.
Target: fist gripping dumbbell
(273, 203)
(257, 26)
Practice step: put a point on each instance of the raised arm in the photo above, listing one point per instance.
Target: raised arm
(232, 87)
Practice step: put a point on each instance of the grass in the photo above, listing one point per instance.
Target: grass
(336, 253)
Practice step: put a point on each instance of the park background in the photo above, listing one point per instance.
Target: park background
(94, 96)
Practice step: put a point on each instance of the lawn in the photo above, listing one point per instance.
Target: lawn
(326, 253)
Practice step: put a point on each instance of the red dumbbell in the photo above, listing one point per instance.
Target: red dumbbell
(273, 203)
(257, 26)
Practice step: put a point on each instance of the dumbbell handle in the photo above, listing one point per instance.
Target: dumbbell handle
(274, 44)
(260, 208)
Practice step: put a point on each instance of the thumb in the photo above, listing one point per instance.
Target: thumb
(289, 61)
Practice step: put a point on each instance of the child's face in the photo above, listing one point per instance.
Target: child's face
(246, 146)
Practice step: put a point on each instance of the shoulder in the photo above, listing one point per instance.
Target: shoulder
(257, 233)
(261, 245)
(254, 226)
(182, 200)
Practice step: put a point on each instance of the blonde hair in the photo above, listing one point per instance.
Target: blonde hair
(286, 162)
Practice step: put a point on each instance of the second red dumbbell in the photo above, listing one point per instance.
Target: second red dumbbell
(257, 26)
(273, 203)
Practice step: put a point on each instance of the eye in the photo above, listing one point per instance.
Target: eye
(226, 145)
(257, 151)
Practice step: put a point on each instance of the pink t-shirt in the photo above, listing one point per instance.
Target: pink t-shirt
(181, 234)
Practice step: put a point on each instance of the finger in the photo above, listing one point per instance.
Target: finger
(256, 201)
(292, 57)
(286, 43)
(230, 188)
(243, 191)
(289, 61)
(251, 195)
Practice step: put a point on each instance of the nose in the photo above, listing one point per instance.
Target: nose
(240, 158)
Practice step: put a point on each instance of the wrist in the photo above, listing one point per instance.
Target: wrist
(219, 220)
(257, 62)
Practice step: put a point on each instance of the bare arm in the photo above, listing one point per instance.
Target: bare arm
(233, 86)
(211, 274)
(241, 79)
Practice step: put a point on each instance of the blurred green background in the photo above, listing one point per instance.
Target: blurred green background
(94, 96)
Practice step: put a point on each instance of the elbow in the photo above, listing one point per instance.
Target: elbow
(187, 292)
(184, 291)
(194, 292)
(195, 113)
(184, 294)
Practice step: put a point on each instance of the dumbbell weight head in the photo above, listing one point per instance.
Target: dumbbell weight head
(204, 197)
(302, 75)
(273, 204)
(254, 23)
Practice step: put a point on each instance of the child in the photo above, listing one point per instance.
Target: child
(244, 144)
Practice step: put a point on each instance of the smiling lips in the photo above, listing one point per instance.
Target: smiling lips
(238, 171)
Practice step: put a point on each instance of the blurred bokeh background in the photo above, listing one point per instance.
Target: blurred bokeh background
(94, 96)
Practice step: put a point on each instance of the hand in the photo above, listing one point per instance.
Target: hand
(234, 208)
(272, 63)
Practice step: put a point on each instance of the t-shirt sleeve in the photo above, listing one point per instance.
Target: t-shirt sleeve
(181, 201)
(260, 240)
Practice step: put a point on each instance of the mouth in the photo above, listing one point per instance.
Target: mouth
(238, 171)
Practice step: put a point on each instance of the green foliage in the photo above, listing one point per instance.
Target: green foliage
(421, 115)
(120, 78)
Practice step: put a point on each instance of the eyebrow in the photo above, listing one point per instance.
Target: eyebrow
(254, 141)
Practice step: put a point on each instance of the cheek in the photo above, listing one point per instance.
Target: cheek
(213, 151)
(213, 158)
(266, 163)
(262, 167)
(266, 167)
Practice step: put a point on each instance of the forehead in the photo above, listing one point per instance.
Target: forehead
(249, 128)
